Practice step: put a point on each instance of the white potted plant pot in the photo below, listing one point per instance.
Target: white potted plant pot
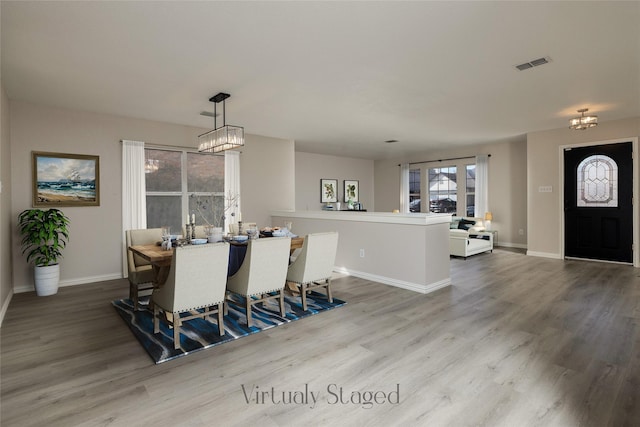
(47, 279)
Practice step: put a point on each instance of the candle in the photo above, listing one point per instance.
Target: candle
(239, 216)
(193, 218)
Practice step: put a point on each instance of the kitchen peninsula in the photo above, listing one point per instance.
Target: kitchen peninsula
(410, 251)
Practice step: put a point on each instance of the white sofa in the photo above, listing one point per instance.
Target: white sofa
(474, 240)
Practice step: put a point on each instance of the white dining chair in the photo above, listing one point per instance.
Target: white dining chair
(314, 264)
(140, 273)
(262, 273)
(197, 280)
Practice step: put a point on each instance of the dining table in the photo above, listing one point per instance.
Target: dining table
(160, 259)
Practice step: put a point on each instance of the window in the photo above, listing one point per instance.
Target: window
(182, 183)
(443, 190)
(414, 190)
(435, 189)
(471, 190)
(597, 182)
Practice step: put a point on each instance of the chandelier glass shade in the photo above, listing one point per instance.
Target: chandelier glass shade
(151, 165)
(226, 137)
(583, 122)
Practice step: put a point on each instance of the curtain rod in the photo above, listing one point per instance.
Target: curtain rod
(175, 147)
(170, 147)
(444, 160)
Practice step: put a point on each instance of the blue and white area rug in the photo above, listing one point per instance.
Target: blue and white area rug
(199, 334)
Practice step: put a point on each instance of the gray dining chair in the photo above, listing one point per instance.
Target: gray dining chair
(262, 273)
(314, 264)
(196, 284)
(140, 273)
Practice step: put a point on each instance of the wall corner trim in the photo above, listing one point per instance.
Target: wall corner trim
(5, 306)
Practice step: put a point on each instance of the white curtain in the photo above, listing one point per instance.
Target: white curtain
(134, 201)
(231, 186)
(404, 187)
(482, 185)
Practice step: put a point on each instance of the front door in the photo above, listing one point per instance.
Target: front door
(598, 188)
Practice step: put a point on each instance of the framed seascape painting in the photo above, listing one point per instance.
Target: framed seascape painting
(65, 179)
(351, 190)
(328, 190)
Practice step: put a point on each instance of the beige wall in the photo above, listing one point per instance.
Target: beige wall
(267, 180)
(94, 250)
(507, 185)
(311, 168)
(543, 168)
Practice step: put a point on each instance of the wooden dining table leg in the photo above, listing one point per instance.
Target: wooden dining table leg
(292, 288)
(161, 272)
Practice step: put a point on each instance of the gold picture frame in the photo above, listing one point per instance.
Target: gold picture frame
(61, 179)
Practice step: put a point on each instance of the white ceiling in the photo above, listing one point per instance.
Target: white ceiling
(337, 77)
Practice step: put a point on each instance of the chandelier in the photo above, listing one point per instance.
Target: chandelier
(222, 138)
(151, 165)
(583, 122)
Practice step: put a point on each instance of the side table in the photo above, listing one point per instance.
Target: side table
(495, 236)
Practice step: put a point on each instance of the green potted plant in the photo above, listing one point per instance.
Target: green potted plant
(44, 235)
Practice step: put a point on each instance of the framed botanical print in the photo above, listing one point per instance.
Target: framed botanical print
(351, 191)
(328, 190)
(65, 179)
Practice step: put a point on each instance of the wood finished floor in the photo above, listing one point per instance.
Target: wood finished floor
(516, 341)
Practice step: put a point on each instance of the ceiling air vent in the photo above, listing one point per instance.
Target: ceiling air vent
(534, 63)
(208, 114)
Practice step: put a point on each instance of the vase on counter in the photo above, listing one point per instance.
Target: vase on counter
(214, 234)
(350, 204)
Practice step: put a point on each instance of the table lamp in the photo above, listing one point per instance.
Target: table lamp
(488, 217)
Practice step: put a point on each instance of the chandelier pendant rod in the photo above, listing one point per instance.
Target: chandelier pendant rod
(215, 114)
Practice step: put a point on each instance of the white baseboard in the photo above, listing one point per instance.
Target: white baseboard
(5, 306)
(416, 287)
(511, 245)
(72, 282)
(544, 254)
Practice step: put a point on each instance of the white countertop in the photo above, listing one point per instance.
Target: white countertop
(385, 217)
